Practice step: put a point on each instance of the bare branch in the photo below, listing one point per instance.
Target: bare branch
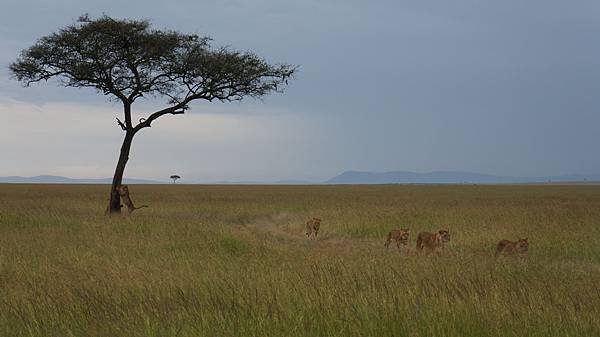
(178, 109)
(123, 127)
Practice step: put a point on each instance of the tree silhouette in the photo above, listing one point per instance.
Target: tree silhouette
(175, 177)
(127, 60)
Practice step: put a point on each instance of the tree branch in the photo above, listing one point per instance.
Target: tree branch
(178, 109)
(123, 127)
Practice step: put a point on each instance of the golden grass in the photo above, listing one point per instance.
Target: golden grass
(233, 261)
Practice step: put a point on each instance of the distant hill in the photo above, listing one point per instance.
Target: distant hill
(447, 177)
(46, 179)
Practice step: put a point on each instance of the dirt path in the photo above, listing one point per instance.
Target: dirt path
(275, 227)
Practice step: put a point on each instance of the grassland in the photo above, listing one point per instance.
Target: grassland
(233, 261)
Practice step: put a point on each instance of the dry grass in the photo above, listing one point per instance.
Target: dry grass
(233, 261)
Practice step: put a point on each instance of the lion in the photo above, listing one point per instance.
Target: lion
(399, 236)
(126, 199)
(312, 228)
(508, 247)
(432, 241)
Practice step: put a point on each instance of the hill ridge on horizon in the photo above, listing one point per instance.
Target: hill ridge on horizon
(345, 178)
(457, 177)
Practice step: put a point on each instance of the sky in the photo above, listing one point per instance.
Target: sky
(498, 87)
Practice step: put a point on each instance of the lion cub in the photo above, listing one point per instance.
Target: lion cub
(507, 247)
(312, 228)
(399, 236)
(432, 241)
(126, 199)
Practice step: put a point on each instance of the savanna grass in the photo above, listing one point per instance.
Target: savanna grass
(233, 261)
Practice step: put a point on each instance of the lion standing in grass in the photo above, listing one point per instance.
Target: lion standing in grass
(508, 247)
(432, 241)
(312, 228)
(126, 199)
(399, 236)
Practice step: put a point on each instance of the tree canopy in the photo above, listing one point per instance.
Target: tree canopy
(127, 59)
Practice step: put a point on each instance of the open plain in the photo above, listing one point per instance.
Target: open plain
(219, 260)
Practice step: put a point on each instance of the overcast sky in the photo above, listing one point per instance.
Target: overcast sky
(507, 87)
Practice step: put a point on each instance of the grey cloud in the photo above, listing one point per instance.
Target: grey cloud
(500, 87)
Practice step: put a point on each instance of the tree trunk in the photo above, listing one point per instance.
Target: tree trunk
(115, 199)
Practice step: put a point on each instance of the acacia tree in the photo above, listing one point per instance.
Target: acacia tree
(127, 60)
(175, 177)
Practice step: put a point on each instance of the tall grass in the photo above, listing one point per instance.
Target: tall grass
(233, 261)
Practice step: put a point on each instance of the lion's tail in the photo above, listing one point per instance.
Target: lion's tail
(141, 207)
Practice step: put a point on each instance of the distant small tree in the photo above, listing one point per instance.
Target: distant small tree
(127, 60)
(175, 177)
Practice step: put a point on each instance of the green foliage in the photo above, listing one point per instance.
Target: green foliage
(232, 261)
(128, 59)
